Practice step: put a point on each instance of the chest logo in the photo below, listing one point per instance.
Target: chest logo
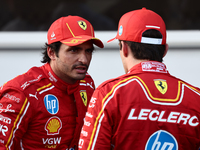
(53, 126)
(161, 85)
(84, 97)
(161, 140)
(82, 24)
(51, 104)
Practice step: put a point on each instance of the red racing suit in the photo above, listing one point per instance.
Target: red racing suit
(145, 109)
(40, 111)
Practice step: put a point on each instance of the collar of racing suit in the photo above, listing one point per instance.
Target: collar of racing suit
(149, 66)
(71, 88)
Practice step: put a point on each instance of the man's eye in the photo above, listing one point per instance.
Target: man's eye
(73, 50)
(90, 50)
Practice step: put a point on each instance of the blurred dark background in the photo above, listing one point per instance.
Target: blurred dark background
(37, 15)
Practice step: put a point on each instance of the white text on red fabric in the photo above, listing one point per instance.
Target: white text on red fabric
(160, 116)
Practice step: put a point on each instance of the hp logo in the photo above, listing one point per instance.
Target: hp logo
(161, 140)
(51, 104)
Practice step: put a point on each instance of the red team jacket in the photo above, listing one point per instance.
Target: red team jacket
(145, 109)
(40, 111)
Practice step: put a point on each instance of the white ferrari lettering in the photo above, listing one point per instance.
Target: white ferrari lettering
(163, 116)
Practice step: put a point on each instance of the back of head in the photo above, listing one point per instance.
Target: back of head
(145, 33)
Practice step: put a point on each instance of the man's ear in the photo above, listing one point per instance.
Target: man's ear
(124, 48)
(51, 53)
(166, 49)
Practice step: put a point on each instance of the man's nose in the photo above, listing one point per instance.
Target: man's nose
(83, 58)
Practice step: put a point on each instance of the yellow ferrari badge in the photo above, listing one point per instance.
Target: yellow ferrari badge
(84, 97)
(161, 85)
(82, 24)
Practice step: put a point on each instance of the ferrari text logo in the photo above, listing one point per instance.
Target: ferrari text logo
(82, 24)
(161, 85)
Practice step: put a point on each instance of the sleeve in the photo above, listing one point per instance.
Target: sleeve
(13, 106)
(97, 129)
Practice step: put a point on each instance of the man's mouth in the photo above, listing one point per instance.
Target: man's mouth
(81, 69)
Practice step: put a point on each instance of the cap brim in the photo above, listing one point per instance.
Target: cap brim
(81, 39)
(111, 40)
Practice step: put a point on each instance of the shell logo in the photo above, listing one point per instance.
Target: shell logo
(53, 126)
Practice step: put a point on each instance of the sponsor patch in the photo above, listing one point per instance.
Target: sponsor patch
(5, 119)
(27, 83)
(7, 108)
(161, 140)
(53, 36)
(12, 97)
(51, 104)
(35, 96)
(84, 96)
(53, 126)
(92, 102)
(3, 129)
(153, 67)
(51, 77)
(82, 24)
(51, 142)
(161, 85)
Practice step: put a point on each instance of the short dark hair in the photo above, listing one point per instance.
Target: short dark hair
(148, 51)
(54, 46)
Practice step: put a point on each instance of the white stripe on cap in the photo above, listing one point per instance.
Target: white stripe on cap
(149, 26)
(149, 40)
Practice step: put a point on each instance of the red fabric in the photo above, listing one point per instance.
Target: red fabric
(40, 111)
(146, 108)
(134, 23)
(72, 31)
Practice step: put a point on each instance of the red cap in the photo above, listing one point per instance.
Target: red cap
(72, 31)
(134, 23)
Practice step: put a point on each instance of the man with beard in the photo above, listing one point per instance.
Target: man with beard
(44, 107)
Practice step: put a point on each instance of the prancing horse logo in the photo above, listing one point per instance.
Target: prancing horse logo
(82, 24)
(83, 95)
(161, 85)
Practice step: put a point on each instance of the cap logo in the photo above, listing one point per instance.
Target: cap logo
(53, 36)
(82, 24)
(120, 30)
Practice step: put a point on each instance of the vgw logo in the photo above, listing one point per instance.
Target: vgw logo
(51, 104)
(161, 140)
